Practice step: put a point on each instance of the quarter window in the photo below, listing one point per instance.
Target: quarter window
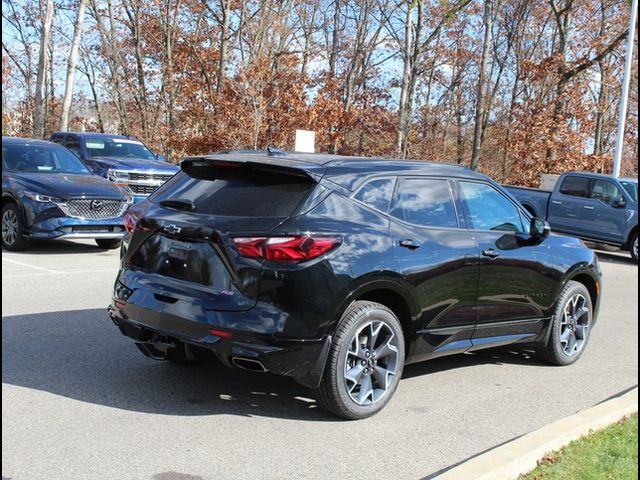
(426, 202)
(376, 194)
(490, 210)
(575, 186)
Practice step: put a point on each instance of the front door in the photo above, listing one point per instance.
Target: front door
(606, 212)
(440, 261)
(566, 208)
(516, 284)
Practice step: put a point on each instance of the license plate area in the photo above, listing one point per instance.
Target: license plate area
(193, 262)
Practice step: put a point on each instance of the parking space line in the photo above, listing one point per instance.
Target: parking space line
(4, 259)
(56, 272)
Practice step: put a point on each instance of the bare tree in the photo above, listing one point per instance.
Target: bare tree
(41, 81)
(71, 66)
(481, 88)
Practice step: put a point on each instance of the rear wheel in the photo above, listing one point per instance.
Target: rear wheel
(108, 243)
(365, 362)
(570, 326)
(633, 247)
(12, 228)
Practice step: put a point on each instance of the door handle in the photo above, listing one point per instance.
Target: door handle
(589, 207)
(410, 244)
(556, 202)
(491, 253)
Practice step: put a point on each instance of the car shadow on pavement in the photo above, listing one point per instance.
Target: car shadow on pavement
(82, 355)
(56, 247)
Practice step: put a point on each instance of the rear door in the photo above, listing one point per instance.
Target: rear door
(440, 261)
(516, 286)
(567, 206)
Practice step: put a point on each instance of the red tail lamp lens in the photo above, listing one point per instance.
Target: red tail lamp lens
(220, 333)
(130, 221)
(285, 249)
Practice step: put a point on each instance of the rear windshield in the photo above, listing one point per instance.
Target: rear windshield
(237, 192)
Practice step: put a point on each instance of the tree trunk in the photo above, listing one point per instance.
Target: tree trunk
(71, 67)
(481, 88)
(41, 81)
(403, 108)
(224, 40)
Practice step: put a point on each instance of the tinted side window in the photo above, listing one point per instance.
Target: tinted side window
(376, 193)
(490, 210)
(56, 138)
(605, 191)
(575, 186)
(426, 202)
(73, 144)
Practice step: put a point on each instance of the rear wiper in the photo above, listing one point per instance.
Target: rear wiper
(178, 204)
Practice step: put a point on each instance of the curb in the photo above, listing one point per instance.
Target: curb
(508, 461)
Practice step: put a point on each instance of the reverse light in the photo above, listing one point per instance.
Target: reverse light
(289, 249)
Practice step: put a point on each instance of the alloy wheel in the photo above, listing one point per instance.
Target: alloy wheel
(574, 327)
(9, 227)
(371, 363)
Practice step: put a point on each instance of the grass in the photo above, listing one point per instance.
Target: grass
(609, 454)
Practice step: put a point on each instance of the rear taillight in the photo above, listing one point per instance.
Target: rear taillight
(130, 219)
(285, 249)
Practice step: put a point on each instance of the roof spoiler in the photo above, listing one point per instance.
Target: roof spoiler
(219, 167)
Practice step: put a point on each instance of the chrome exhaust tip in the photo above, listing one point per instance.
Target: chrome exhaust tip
(248, 364)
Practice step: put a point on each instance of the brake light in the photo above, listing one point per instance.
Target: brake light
(285, 249)
(129, 221)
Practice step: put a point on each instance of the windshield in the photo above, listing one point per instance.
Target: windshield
(39, 158)
(631, 188)
(118, 147)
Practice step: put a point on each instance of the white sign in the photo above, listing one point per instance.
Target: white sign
(305, 141)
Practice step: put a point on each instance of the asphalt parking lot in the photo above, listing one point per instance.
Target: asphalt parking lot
(79, 401)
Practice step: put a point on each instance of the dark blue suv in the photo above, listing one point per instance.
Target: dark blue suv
(49, 193)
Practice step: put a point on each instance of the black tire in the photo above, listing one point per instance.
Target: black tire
(555, 352)
(108, 243)
(633, 247)
(333, 394)
(12, 219)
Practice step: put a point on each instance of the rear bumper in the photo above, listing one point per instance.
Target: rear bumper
(155, 333)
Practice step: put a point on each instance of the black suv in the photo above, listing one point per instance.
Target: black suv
(338, 271)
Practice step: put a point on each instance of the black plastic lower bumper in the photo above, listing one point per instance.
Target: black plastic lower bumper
(301, 359)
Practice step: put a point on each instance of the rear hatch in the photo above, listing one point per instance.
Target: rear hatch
(182, 248)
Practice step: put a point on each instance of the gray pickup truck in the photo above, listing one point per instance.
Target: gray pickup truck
(597, 208)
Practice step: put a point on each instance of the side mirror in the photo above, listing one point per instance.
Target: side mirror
(619, 203)
(162, 158)
(539, 228)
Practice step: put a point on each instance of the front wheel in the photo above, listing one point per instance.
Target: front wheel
(570, 325)
(108, 243)
(633, 247)
(12, 228)
(365, 362)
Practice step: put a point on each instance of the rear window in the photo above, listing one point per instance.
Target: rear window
(237, 192)
(575, 186)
